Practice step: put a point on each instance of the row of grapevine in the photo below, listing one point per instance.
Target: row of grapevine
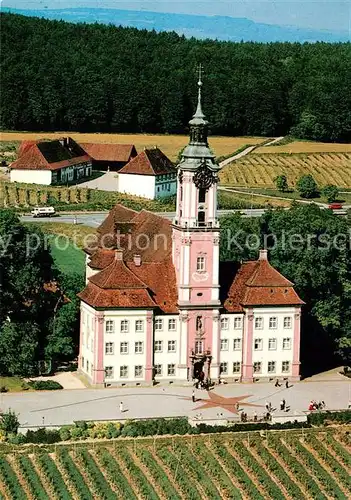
(280, 465)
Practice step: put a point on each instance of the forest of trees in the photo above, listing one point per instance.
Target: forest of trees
(62, 76)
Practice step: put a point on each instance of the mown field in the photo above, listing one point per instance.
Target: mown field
(170, 144)
(280, 465)
(305, 147)
(260, 170)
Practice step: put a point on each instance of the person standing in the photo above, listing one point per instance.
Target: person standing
(277, 383)
(121, 408)
(282, 404)
(287, 384)
(193, 396)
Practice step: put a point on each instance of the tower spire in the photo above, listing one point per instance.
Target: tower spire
(199, 113)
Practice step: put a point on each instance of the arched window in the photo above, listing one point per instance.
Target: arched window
(201, 218)
(202, 195)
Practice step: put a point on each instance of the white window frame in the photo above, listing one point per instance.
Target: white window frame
(171, 370)
(138, 347)
(288, 366)
(109, 326)
(140, 369)
(260, 346)
(273, 323)
(125, 370)
(272, 364)
(172, 325)
(287, 340)
(158, 368)
(238, 323)
(159, 343)
(223, 368)
(124, 326)
(224, 323)
(287, 324)
(109, 348)
(224, 346)
(124, 348)
(272, 344)
(239, 341)
(259, 323)
(199, 346)
(158, 324)
(201, 264)
(108, 372)
(259, 365)
(172, 343)
(139, 325)
(237, 364)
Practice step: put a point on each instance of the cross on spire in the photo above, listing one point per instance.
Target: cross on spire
(199, 113)
(201, 72)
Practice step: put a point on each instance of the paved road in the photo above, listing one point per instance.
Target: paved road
(66, 406)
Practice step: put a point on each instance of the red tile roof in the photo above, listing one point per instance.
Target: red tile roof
(49, 155)
(257, 283)
(110, 152)
(149, 162)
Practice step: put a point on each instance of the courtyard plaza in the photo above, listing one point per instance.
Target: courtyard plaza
(56, 408)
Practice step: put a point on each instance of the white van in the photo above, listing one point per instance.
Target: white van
(43, 211)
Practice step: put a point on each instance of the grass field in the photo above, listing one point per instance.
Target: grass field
(305, 147)
(68, 258)
(170, 144)
(283, 465)
(260, 170)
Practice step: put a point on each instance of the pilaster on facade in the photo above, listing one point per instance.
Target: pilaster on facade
(98, 370)
(247, 366)
(149, 368)
(296, 375)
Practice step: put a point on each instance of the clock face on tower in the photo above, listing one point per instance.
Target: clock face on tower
(204, 177)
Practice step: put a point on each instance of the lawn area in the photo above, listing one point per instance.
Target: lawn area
(12, 384)
(68, 257)
(169, 144)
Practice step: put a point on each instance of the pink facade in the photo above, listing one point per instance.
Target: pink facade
(296, 344)
(98, 368)
(149, 368)
(247, 370)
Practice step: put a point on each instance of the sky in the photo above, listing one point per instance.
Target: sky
(316, 14)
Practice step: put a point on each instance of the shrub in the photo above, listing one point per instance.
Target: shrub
(282, 183)
(9, 422)
(42, 435)
(45, 385)
(330, 192)
(3, 388)
(65, 432)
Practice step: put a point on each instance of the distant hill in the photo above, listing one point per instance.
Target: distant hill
(214, 27)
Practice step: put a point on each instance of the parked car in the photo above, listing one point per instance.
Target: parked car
(335, 206)
(43, 211)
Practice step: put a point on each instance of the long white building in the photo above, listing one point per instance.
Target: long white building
(160, 306)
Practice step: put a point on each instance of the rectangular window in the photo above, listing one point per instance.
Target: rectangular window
(285, 366)
(108, 371)
(158, 369)
(171, 346)
(258, 344)
(110, 326)
(224, 368)
(158, 324)
(123, 349)
(287, 322)
(273, 323)
(171, 370)
(259, 323)
(271, 366)
(87, 366)
(124, 326)
(257, 367)
(287, 343)
(237, 344)
(200, 264)
(224, 323)
(199, 347)
(224, 344)
(238, 323)
(236, 367)
(109, 348)
(272, 344)
(139, 325)
(138, 371)
(158, 345)
(139, 347)
(123, 371)
(172, 324)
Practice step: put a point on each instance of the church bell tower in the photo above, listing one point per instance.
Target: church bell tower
(196, 250)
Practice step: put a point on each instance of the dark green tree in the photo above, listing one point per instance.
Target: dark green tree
(282, 183)
(19, 347)
(307, 186)
(330, 192)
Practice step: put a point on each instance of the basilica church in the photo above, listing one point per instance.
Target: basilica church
(160, 307)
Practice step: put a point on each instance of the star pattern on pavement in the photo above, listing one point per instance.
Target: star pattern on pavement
(217, 401)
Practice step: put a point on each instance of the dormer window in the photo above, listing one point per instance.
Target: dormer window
(200, 264)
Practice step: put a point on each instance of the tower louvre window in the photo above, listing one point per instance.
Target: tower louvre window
(201, 217)
(202, 195)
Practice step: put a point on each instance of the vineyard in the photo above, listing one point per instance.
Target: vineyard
(260, 170)
(280, 465)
